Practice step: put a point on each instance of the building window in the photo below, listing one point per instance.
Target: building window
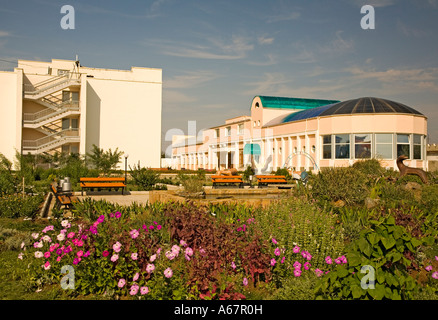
(403, 145)
(362, 146)
(258, 123)
(257, 105)
(75, 96)
(255, 124)
(313, 149)
(342, 146)
(240, 128)
(217, 133)
(228, 131)
(417, 147)
(327, 147)
(279, 150)
(384, 145)
(62, 72)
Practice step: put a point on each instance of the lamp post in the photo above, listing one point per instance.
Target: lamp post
(126, 169)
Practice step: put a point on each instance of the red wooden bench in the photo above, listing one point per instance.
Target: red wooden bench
(100, 183)
(227, 180)
(265, 180)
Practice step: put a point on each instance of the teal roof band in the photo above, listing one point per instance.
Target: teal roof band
(252, 148)
(293, 103)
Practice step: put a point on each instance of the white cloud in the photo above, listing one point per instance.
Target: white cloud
(294, 15)
(264, 40)
(235, 48)
(190, 79)
(4, 33)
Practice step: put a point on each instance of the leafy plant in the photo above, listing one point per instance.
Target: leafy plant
(104, 161)
(145, 178)
(386, 247)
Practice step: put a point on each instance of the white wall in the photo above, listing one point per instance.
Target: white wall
(10, 113)
(126, 115)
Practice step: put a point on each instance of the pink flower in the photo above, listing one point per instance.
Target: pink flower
(134, 290)
(121, 283)
(273, 262)
(58, 258)
(46, 265)
(86, 254)
(150, 268)
(38, 254)
(153, 257)
(144, 290)
(115, 257)
(175, 249)
(136, 275)
(307, 265)
(318, 272)
(134, 256)
(296, 249)
(328, 260)
(80, 253)
(134, 233)
(47, 254)
(274, 241)
(183, 243)
(71, 235)
(436, 258)
(117, 247)
(151, 227)
(168, 273)
(297, 272)
(428, 268)
(170, 255)
(435, 275)
(118, 214)
(245, 282)
(189, 251)
(277, 252)
(282, 259)
(297, 265)
(76, 260)
(233, 265)
(159, 227)
(105, 253)
(101, 219)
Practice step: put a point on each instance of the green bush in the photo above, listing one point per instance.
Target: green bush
(386, 247)
(144, 178)
(294, 222)
(192, 183)
(346, 184)
(14, 206)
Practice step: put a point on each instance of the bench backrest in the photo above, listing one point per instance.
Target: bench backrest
(271, 177)
(226, 178)
(102, 179)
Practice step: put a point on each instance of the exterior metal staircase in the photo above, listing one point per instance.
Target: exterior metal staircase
(51, 141)
(50, 86)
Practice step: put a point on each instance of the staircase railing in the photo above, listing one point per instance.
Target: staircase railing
(49, 113)
(61, 136)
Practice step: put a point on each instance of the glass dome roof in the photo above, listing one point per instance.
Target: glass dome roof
(366, 105)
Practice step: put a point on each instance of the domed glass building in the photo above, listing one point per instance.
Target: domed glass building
(308, 134)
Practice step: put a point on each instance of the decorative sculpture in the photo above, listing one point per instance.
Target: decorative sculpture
(257, 167)
(404, 170)
(228, 172)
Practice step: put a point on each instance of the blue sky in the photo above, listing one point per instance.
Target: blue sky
(217, 55)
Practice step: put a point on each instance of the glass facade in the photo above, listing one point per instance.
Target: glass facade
(342, 146)
(367, 145)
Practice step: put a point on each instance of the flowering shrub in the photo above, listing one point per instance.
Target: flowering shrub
(15, 205)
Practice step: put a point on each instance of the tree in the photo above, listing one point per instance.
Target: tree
(104, 161)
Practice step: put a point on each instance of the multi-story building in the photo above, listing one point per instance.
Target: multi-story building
(309, 134)
(65, 107)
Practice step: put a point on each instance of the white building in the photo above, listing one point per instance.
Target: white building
(63, 106)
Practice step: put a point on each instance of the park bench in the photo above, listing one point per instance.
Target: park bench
(219, 180)
(266, 180)
(62, 198)
(100, 183)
